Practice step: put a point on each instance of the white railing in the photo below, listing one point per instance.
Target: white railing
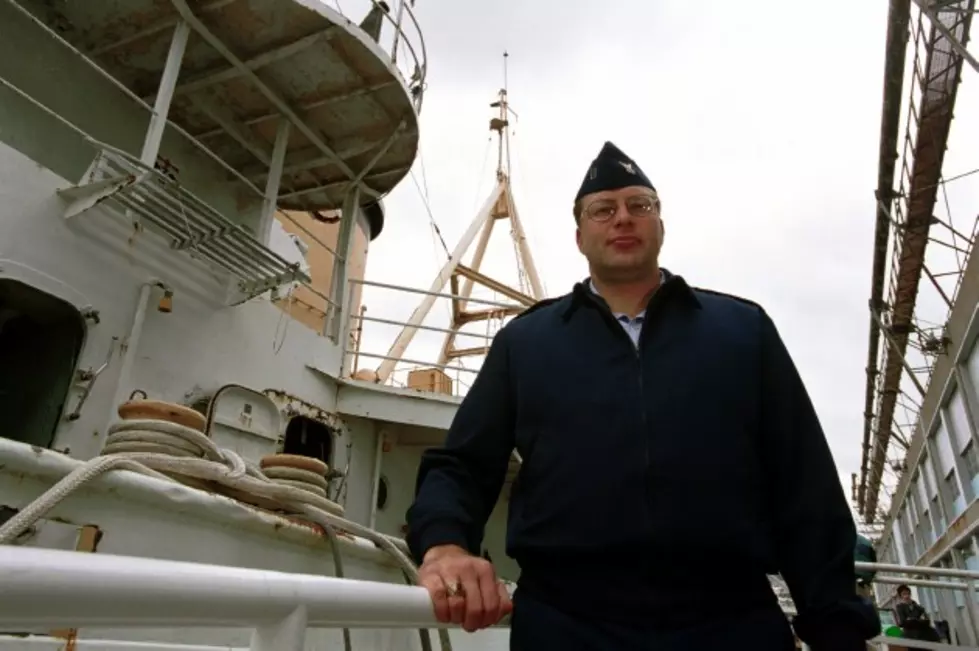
(400, 37)
(373, 332)
(413, 43)
(953, 579)
(43, 588)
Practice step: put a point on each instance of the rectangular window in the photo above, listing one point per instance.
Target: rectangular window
(960, 594)
(970, 460)
(919, 490)
(972, 365)
(969, 557)
(928, 529)
(946, 459)
(931, 484)
(898, 540)
(914, 508)
(958, 420)
(955, 493)
(936, 512)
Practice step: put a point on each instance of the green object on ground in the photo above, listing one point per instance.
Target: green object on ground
(893, 631)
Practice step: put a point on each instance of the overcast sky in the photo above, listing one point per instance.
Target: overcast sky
(758, 122)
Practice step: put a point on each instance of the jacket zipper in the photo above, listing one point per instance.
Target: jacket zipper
(645, 427)
(654, 306)
(644, 423)
(637, 348)
(642, 403)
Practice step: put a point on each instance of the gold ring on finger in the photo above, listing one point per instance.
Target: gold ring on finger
(453, 589)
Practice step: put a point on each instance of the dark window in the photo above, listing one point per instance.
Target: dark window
(309, 438)
(41, 339)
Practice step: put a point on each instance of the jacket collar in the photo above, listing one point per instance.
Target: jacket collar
(673, 288)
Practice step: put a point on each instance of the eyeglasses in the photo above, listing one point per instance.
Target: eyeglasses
(602, 210)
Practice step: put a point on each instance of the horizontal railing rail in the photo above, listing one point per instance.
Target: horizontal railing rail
(54, 588)
(425, 292)
(42, 589)
(921, 570)
(952, 579)
(366, 323)
(885, 643)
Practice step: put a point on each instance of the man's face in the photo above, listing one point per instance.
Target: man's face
(620, 233)
(904, 595)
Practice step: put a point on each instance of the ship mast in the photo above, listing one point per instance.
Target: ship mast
(499, 206)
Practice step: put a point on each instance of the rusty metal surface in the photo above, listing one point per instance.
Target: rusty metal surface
(898, 19)
(336, 79)
(291, 405)
(938, 84)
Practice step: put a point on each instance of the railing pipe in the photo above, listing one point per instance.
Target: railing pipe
(424, 292)
(55, 588)
(917, 569)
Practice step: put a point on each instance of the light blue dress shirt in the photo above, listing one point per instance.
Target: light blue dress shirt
(632, 326)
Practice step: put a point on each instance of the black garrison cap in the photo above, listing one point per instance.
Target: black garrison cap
(612, 170)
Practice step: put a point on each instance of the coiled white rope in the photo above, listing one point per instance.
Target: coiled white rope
(298, 478)
(184, 452)
(173, 452)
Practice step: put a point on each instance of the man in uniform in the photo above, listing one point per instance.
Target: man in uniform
(669, 449)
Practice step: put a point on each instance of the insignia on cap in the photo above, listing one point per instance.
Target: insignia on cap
(612, 170)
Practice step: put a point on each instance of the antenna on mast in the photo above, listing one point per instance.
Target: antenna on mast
(461, 278)
(506, 55)
(500, 124)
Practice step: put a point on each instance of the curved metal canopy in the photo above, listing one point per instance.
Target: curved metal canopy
(250, 64)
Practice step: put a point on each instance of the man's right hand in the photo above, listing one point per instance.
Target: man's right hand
(464, 588)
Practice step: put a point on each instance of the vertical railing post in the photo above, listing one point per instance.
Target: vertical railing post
(340, 290)
(973, 608)
(397, 32)
(376, 477)
(288, 634)
(164, 94)
(130, 347)
(348, 348)
(274, 181)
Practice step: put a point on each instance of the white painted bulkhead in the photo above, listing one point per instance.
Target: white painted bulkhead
(97, 263)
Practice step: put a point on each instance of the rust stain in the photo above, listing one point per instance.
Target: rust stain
(89, 537)
(293, 521)
(69, 635)
(292, 405)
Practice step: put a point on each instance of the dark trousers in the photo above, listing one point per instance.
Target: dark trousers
(536, 626)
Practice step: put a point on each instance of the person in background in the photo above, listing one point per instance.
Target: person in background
(668, 447)
(865, 553)
(912, 618)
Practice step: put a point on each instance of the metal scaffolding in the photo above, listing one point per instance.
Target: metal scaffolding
(902, 345)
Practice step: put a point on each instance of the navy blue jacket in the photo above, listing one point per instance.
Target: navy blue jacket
(656, 479)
